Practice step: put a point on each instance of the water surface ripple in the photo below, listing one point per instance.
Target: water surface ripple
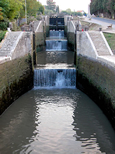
(55, 121)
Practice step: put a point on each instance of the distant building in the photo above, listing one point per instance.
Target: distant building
(81, 11)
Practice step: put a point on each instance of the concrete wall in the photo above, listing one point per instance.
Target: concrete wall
(97, 79)
(40, 36)
(71, 35)
(96, 75)
(24, 45)
(16, 78)
(16, 75)
(85, 45)
(47, 25)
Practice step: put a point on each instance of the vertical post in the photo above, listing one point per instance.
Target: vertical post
(25, 11)
(75, 46)
(34, 49)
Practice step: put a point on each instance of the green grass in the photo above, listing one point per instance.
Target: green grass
(2, 34)
(85, 23)
(111, 40)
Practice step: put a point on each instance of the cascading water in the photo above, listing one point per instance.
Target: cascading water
(56, 45)
(57, 78)
(56, 34)
(60, 77)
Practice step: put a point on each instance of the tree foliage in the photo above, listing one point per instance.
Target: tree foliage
(107, 7)
(16, 8)
(51, 5)
(4, 8)
(69, 12)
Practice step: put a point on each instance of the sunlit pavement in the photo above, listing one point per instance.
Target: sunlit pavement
(104, 23)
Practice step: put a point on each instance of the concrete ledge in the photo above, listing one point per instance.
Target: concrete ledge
(38, 27)
(4, 59)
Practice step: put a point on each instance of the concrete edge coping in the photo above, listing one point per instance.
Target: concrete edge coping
(38, 26)
(95, 51)
(111, 53)
(4, 59)
(107, 60)
(46, 19)
(73, 26)
(15, 44)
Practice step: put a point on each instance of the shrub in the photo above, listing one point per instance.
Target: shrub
(3, 25)
(2, 34)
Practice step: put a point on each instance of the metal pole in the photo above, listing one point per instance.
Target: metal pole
(25, 12)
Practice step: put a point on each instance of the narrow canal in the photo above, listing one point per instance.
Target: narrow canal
(55, 117)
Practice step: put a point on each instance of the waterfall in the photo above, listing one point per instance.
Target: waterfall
(56, 34)
(56, 45)
(57, 78)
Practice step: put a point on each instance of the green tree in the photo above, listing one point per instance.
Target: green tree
(4, 7)
(107, 7)
(40, 9)
(33, 7)
(14, 8)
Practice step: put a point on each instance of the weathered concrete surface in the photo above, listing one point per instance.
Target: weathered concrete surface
(100, 43)
(92, 44)
(10, 44)
(24, 45)
(71, 35)
(16, 78)
(40, 36)
(15, 45)
(97, 79)
(85, 45)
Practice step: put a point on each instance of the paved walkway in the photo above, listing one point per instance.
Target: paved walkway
(103, 24)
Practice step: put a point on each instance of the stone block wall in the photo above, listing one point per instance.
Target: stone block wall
(97, 80)
(16, 78)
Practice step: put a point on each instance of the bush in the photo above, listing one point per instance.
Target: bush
(3, 25)
(2, 34)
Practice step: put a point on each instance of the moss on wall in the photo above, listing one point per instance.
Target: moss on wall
(47, 31)
(39, 41)
(71, 40)
(16, 78)
(97, 80)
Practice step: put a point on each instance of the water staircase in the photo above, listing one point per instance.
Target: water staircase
(55, 75)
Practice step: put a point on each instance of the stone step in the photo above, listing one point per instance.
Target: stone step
(99, 43)
(9, 43)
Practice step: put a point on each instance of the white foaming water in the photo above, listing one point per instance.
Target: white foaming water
(56, 45)
(55, 78)
(61, 81)
(56, 34)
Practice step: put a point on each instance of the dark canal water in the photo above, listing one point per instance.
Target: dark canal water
(55, 121)
(55, 117)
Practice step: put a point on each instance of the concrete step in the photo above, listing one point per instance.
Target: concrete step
(9, 43)
(99, 43)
